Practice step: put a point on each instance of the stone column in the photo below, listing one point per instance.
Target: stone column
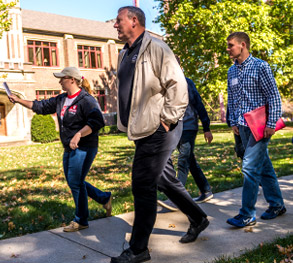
(70, 52)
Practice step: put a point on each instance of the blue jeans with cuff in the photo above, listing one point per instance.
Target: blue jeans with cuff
(257, 168)
(76, 165)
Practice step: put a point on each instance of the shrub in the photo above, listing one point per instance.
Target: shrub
(109, 129)
(43, 128)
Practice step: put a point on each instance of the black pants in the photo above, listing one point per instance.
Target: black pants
(153, 169)
(187, 162)
(238, 147)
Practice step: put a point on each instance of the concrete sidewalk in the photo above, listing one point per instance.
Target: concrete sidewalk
(10, 141)
(106, 237)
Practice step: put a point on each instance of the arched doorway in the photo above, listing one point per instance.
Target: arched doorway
(2, 120)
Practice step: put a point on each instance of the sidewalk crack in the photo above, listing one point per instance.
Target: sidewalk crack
(76, 242)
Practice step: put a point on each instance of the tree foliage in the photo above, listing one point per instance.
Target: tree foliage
(5, 22)
(197, 30)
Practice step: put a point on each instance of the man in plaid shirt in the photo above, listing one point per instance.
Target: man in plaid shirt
(251, 84)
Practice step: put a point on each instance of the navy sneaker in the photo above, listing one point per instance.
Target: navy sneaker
(273, 212)
(203, 197)
(242, 221)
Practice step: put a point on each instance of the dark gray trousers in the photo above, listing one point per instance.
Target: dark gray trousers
(153, 169)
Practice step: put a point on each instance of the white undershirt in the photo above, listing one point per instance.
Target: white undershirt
(68, 101)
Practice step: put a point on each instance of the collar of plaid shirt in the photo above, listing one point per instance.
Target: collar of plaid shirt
(244, 63)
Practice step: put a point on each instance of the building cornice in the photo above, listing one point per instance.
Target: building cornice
(62, 34)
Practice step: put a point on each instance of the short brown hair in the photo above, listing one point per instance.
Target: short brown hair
(241, 36)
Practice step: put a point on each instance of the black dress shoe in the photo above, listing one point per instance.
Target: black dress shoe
(193, 231)
(127, 256)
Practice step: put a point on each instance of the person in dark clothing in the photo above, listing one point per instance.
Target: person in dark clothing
(186, 159)
(152, 98)
(80, 118)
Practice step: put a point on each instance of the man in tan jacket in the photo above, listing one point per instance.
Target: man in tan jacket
(152, 98)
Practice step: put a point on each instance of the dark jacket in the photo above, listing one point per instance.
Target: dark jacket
(83, 111)
(194, 109)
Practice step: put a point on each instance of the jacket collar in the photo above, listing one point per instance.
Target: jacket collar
(145, 42)
(79, 97)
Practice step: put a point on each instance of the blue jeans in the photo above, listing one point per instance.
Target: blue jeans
(257, 168)
(76, 165)
(187, 161)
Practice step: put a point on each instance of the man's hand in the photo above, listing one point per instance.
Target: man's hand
(166, 127)
(235, 130)
(74, 141)
(208, 137)
(269, 132)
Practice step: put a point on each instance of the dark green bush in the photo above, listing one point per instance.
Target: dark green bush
(43, 128)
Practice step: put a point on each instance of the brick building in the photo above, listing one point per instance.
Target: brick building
(39, 44)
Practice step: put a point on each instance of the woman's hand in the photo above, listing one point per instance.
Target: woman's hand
(26, 103)
(13, 98)
(86, 130)
(74, 141)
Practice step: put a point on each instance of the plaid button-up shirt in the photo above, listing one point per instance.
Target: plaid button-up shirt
(251, 84)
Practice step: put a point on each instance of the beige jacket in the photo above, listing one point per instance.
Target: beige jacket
(159, 89)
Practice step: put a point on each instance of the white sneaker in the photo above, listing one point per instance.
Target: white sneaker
(168, 204)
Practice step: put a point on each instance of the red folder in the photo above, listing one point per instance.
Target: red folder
(257, 120)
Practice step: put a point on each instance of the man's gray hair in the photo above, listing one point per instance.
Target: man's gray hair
(134, 11)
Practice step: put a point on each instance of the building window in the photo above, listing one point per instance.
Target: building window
(89, 57)
(46, 94)
(42, 53)
(100, 95)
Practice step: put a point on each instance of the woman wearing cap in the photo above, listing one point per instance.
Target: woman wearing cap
(80, 119)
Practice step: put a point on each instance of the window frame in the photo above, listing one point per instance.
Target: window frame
(42, 46)
(97, 51)
(46, 96)
(100, 96)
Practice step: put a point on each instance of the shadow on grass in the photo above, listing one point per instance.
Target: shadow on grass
(30, 173)
(33, 201)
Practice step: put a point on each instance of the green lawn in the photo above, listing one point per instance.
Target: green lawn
(34, 194)
(279, 251)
